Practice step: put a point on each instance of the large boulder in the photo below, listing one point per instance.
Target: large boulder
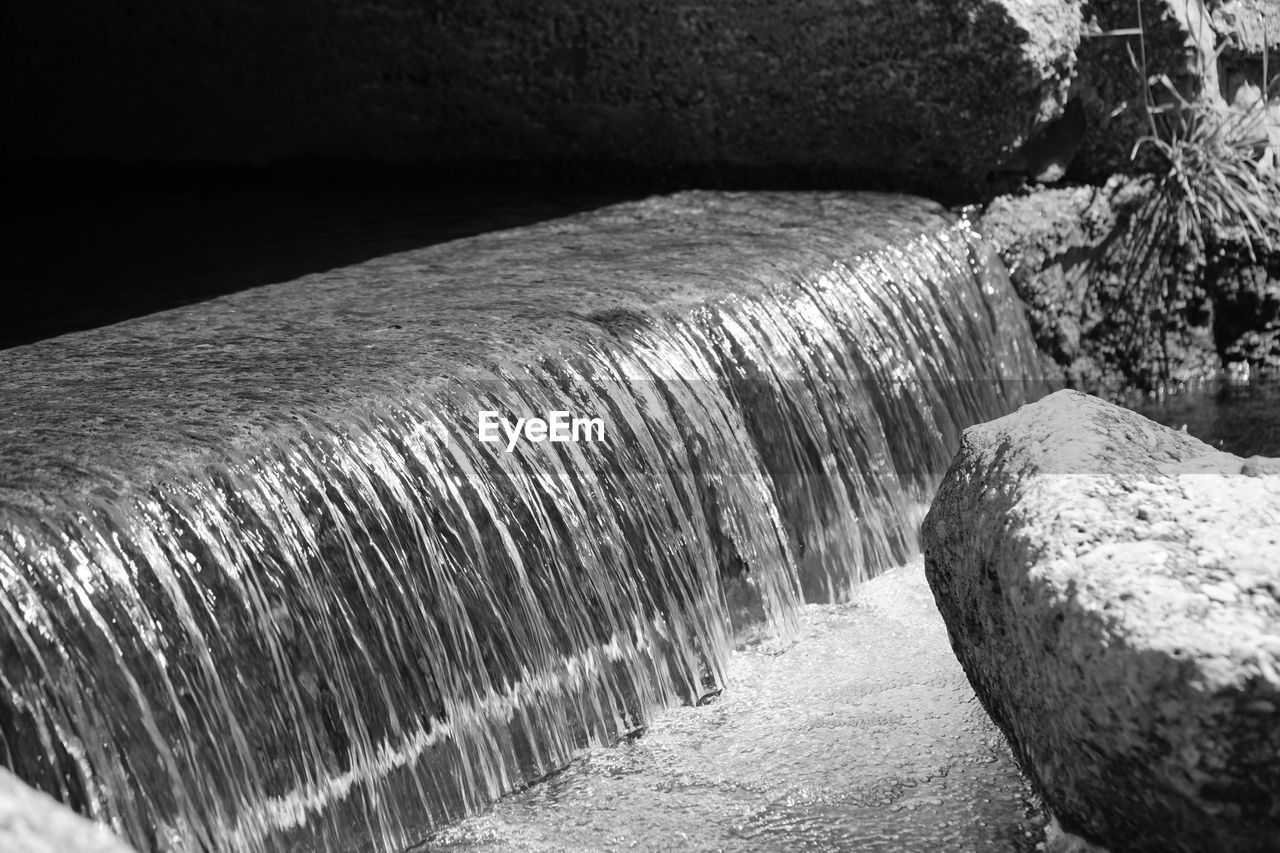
(1112, 588)
(952, 97)
(932, 95)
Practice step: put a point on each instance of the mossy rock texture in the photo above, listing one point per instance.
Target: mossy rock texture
(1050, 241)
(1071, 254)
(1112, 589)
(1247, 307)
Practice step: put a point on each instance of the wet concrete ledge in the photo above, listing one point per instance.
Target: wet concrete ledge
(130, 403)
(96, 246)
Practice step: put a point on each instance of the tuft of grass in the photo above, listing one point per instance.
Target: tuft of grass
(1211, 176)
(1208, 184)
(1214, 179)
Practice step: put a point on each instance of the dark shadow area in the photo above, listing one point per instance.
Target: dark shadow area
(96, 245)
(308, 135)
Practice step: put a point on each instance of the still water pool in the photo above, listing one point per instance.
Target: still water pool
(1240, 419)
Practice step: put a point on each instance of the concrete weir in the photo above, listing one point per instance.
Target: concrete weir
(123, 402)
(264, 586)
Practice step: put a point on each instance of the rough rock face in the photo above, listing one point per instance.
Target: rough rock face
(1049, 241)
(1070, 254)
(1112, 588)
(1247, 308)
(1116, 296)
(34, 822)
(930, 95)
(950, 96)
(953, 97)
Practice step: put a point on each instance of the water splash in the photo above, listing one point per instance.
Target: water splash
(377, 624)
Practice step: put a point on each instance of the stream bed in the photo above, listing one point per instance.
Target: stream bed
(864, 735)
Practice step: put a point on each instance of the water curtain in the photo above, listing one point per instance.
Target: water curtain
(378, 623)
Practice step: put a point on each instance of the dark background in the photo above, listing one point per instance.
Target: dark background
(156, 153)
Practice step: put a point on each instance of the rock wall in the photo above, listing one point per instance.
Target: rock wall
(1246, 314)
(1210, 51)
(1120, 295)
(961, 99)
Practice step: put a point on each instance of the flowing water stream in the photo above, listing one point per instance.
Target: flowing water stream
(864, 736)
(377, 623)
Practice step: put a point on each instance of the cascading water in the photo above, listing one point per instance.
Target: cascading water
(376, 623)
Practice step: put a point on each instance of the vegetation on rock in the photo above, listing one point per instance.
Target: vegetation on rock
(1213, 191)
(1169, 271)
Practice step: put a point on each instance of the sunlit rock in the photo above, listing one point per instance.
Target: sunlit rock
(34, 822)
(1112, 588)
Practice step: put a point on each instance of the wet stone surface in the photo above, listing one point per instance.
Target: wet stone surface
(186, 385)
(338, 617)
(864, 735)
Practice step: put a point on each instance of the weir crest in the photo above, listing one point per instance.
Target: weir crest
(323, 614)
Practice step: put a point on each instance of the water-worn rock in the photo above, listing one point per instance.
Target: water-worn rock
(122, 401)
(34, 822)
(1112, 588)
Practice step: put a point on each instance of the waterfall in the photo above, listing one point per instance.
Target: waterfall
(373, 623)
